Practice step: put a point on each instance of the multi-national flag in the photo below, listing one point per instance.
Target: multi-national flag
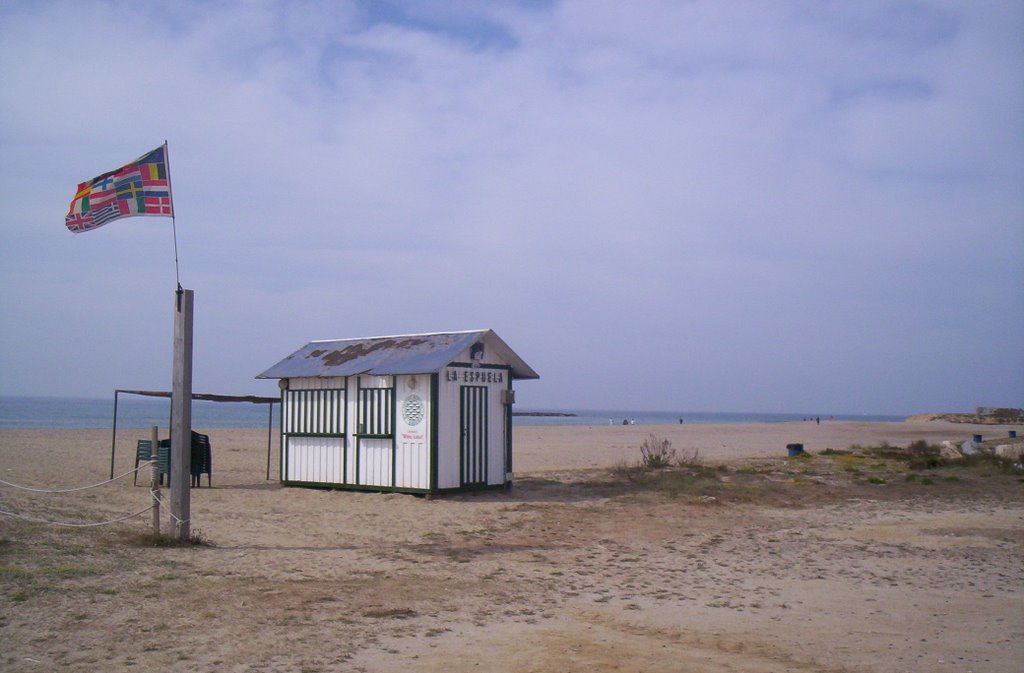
(142, 187)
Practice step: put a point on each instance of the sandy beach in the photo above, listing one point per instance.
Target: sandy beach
(756, 563)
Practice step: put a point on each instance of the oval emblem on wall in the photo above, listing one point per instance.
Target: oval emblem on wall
(412, 410)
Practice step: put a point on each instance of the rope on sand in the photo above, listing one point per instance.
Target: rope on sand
(76, 525)
(71, 490)
(80, 488)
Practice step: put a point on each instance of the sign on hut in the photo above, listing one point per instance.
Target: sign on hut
(418, 413)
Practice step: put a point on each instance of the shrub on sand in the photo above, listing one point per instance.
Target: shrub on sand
(657, 452)
(923, 456)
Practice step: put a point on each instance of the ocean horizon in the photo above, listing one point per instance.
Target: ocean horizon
(140, 412)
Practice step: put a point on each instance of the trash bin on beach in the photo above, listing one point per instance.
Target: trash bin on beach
(795, 449)
(1013, 434)
(977, 439)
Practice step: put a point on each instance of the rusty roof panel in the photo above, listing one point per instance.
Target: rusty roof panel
(385, 356)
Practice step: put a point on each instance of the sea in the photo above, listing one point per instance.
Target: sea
(143, 412)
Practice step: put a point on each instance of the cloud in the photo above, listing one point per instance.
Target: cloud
(670, 199)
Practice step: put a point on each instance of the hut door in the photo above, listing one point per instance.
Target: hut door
(473, 435)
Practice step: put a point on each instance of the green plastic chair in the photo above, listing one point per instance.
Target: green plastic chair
(202, 460)
(143, 450)
(163, 452)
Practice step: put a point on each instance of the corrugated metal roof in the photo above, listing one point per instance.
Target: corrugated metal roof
(389, 355)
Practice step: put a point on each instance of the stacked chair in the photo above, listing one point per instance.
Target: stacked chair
(202, 461)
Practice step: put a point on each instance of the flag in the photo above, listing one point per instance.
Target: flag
(142, 187)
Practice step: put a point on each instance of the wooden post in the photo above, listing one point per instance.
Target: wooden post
(154, 478)
(181, 415)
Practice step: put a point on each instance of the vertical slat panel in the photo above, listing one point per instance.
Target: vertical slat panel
(312, 426)
(476, 435)
(291, 473)
(408, 476)
(473, 435)
(463, 431)
(411, 465)
(375, 462)
(313, 412)
(468, 434)
(351, 475)
(400, 468)
(448, 441)
(375, 411)
(314, 459)
(317, 421)
(473, 430)
(327, 469)
(481, 434)
(321, 416)
(307, 417)
(485, 434)
(332, 411)
(381, 404)
(326, 463)
(418, 452)
(336, 411)
(379, 467)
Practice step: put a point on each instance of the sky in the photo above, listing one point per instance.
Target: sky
(804, 206)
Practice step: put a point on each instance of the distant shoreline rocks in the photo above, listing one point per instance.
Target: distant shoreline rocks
(982, 416)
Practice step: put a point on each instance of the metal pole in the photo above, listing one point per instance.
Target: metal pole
(270, 425)
(174, 221)
(181, 415)
(154, 478)
(113, 439)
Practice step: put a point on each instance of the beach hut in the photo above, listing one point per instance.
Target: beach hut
(417, 413)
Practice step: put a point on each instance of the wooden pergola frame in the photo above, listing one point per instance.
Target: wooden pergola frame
(209, 397)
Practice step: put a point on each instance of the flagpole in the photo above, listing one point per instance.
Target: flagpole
(174, 227)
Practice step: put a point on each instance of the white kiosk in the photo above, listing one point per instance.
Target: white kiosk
(416, 413)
